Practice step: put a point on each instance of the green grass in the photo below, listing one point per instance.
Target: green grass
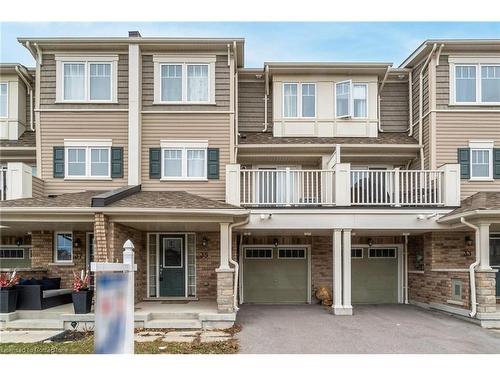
(86, 346)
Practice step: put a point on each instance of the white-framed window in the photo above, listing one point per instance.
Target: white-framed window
(12, 253)
(357, 253)
(474, 80)
(299, 100)
(63, 247)
(186, 160)
(382, 252)
(291, 253)
(351, 99)
(4, 99)
(86, 79)
(87, 159)
(481, 159)
(258, 253)
(184, 80)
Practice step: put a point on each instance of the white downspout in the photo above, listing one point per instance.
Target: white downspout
(234, 263)
(473, 300)
(406, 269)
(30, 88)
(410, 99)
(378, 99)
(266, 96)
(420, 104)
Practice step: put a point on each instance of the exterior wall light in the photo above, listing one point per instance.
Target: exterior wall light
(78, 243)
(204, 242)
(275, 242)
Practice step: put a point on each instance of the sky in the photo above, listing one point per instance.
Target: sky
(268, 41)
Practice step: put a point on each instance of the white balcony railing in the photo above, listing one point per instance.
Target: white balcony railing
(286, 187)
(341, 186)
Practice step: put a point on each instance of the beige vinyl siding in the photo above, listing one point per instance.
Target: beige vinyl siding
(28, 105)
(454, 130)
(443, 88)
(416, 96)
(37, 187)
(56, 126)
(394, 113)
(163, 126)
(222, 78)
(48, 85)
(251, 106)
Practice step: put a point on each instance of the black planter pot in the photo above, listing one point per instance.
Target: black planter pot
(8, 299)
(82, 301)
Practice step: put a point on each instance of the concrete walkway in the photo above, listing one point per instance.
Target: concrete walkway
(377, 329)
(26, 336)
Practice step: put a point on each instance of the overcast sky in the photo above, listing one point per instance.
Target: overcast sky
(286, 41)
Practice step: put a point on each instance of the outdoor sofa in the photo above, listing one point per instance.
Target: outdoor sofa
(41, 294)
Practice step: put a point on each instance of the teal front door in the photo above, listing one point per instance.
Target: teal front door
(172, 266)
(495, 257)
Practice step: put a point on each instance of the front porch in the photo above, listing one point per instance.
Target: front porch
(201, 314)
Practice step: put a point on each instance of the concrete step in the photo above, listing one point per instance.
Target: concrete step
(38, 314)
(35, 324)
(173, 323)
(174, 315)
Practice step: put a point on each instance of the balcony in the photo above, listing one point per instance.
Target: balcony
(343, 187)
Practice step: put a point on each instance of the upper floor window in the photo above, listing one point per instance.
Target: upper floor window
(4, 99)
(299, 100)
(86, 79)
(184, 160)
(184, 81)
(481, 159)
(475, 80)
(88, 159)
(351, 99)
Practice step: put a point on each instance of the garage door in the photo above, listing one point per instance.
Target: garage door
(374, 275)
(275, 274)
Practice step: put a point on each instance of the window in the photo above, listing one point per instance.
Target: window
(86, 79)
(184, 81)
(292, 253)
(88, 160)
(290, 100)
(475, 82)
(4, 100)
(382, 252)
(481, 164)
(357, 253)
(259, 253)
(308, 100)
(351, 99)
(173, 252)
(63, 247)
(184, 161)
(11, 253)
(456, 289)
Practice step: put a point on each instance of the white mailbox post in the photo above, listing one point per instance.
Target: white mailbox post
(114, 312)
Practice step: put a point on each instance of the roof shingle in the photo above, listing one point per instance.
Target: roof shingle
(27, 139)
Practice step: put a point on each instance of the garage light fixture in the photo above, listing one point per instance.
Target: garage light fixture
(275, 242)
(370, 242)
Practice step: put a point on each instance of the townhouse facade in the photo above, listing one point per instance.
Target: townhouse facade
(242, 185)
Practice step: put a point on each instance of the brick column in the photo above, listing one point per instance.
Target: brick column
(101, 245)
(225, 292)
(485, 292)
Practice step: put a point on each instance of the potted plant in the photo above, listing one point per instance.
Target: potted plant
(82, 295)
(8, 292)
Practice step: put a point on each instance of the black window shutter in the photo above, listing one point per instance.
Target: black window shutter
(155, 163)
(58, 162)
(496, 163)
(116, 162)
(464, 161)
(213, 163)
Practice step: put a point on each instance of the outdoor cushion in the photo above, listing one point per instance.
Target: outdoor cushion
(49, 283)
(35, 281)
(25, 282)
(55, 292)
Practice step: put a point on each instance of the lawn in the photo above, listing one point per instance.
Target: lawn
(85, 345)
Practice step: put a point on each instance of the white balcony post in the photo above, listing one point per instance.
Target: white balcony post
(346, 272)
(233, 184)
(286, 187)
(337, 270)
(19, 181)
(396, 187)
(342, 184)
(450, 184)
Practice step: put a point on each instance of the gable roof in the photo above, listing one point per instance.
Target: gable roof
(483, 202)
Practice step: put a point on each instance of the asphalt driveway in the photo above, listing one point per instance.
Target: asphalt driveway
(375, 329)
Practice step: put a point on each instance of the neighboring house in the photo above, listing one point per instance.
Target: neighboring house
(381, 183)
(17, 155)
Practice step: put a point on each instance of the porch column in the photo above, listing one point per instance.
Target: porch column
(346, 272)
(337, 271)
(225, 274)
(484, 246)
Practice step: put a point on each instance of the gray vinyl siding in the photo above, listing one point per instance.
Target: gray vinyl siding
(56, 126)
(251, 106)
(454, 130)
(48, 86)
(394, 113)
(174, 126)
(416, 93)
(222, 97)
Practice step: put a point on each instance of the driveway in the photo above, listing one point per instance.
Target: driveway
(268, 329)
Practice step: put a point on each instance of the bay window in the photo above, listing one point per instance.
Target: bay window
(299, 100)
(86, 79)
(183, 161)
(4, 99)
(351, 99)
(475, 81)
